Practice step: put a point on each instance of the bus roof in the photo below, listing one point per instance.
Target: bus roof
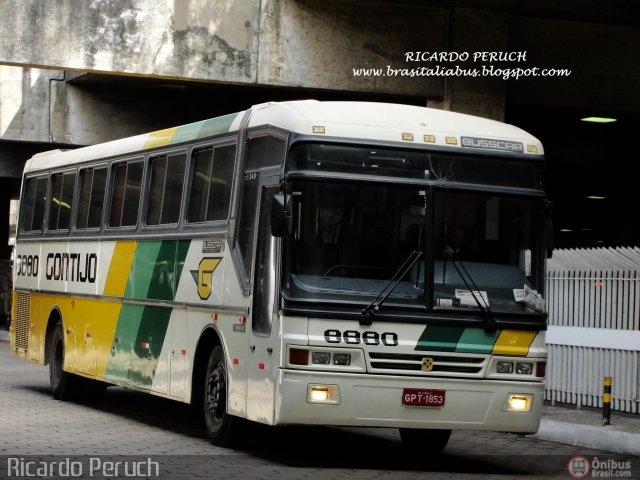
(402, 124)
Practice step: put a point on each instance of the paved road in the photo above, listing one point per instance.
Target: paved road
(33, 426)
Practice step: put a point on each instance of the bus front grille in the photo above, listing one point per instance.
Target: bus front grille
(438, 364)
(21, 332)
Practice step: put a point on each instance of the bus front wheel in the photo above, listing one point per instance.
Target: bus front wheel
(424, 441)
(63, 384)
(220, 425)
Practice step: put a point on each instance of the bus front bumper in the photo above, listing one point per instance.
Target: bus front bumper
(377, 401)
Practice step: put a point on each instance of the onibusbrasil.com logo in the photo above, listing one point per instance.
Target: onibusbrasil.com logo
(583, 467)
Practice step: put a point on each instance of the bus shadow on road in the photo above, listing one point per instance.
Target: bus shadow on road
(305, 447)
(353, 448)
(141, 407)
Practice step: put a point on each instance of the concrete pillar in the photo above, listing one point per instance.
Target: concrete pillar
(471, 31)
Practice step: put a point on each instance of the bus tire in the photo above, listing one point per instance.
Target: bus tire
(424, 442)
(64, 385)
(221, 426)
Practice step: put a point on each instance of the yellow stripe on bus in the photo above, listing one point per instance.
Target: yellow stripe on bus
(119, 269)
(160, 138)
(105, 315)
(513, 342)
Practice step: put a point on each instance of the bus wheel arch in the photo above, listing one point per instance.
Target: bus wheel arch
(64, 385)
(209, 338)
(209, 393)
(55, 318)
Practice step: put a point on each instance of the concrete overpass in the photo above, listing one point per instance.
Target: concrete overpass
(77, 72)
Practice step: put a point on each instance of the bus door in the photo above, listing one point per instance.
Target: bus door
(262, 337)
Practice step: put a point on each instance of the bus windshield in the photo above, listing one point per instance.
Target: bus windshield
(349, 239)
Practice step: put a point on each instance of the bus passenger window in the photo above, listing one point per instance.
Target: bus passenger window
(165, 193)
(125, 194)
(221, 179)
(33, 204)
(92, 188)
(61, 201)
(211, 184)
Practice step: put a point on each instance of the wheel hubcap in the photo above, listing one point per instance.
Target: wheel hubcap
(216, 392)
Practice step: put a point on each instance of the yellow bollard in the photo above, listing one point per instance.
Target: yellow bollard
(606, 402)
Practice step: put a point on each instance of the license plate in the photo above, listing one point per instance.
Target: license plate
(423, 398)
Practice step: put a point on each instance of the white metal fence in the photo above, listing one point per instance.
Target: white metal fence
(593, 299)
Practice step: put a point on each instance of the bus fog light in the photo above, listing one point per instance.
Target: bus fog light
(505, 367)
(321, 358)
(323, 394)
(519, 403)
(524, 368)
(342, 359)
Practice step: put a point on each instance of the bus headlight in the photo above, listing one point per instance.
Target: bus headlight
(520, 402)
(325, 359)
(524, 368)
(342, 359)
(504, 367)
(321, 358)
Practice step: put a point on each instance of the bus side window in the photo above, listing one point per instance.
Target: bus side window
(262, 151)
(211, 184)
(221, 179)
(61, 200)
(125, 194)
(165, 193)
(91, 202)
(33, 203)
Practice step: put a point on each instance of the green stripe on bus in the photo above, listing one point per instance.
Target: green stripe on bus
(438, 338)
(217, 125)
(141, 330)
(142, 269)
(187, 132)
(476, 340)
(161, 284)
(182, 247)
(205, 128)
(148, 345)
(126, 332)
(156, 269)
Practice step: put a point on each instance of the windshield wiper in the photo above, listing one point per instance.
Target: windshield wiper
(366, 316)
(487, 314)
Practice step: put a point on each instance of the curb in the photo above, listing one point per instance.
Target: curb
(602, 438)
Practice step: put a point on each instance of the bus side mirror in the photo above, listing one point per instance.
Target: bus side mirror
(280, 215)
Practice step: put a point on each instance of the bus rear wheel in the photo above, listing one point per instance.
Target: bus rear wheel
(64, 385)
(221, 426)
(424, 441)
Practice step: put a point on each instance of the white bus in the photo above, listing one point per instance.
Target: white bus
(333, 263)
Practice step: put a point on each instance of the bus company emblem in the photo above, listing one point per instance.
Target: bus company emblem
(427, 364)
(204, 276)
